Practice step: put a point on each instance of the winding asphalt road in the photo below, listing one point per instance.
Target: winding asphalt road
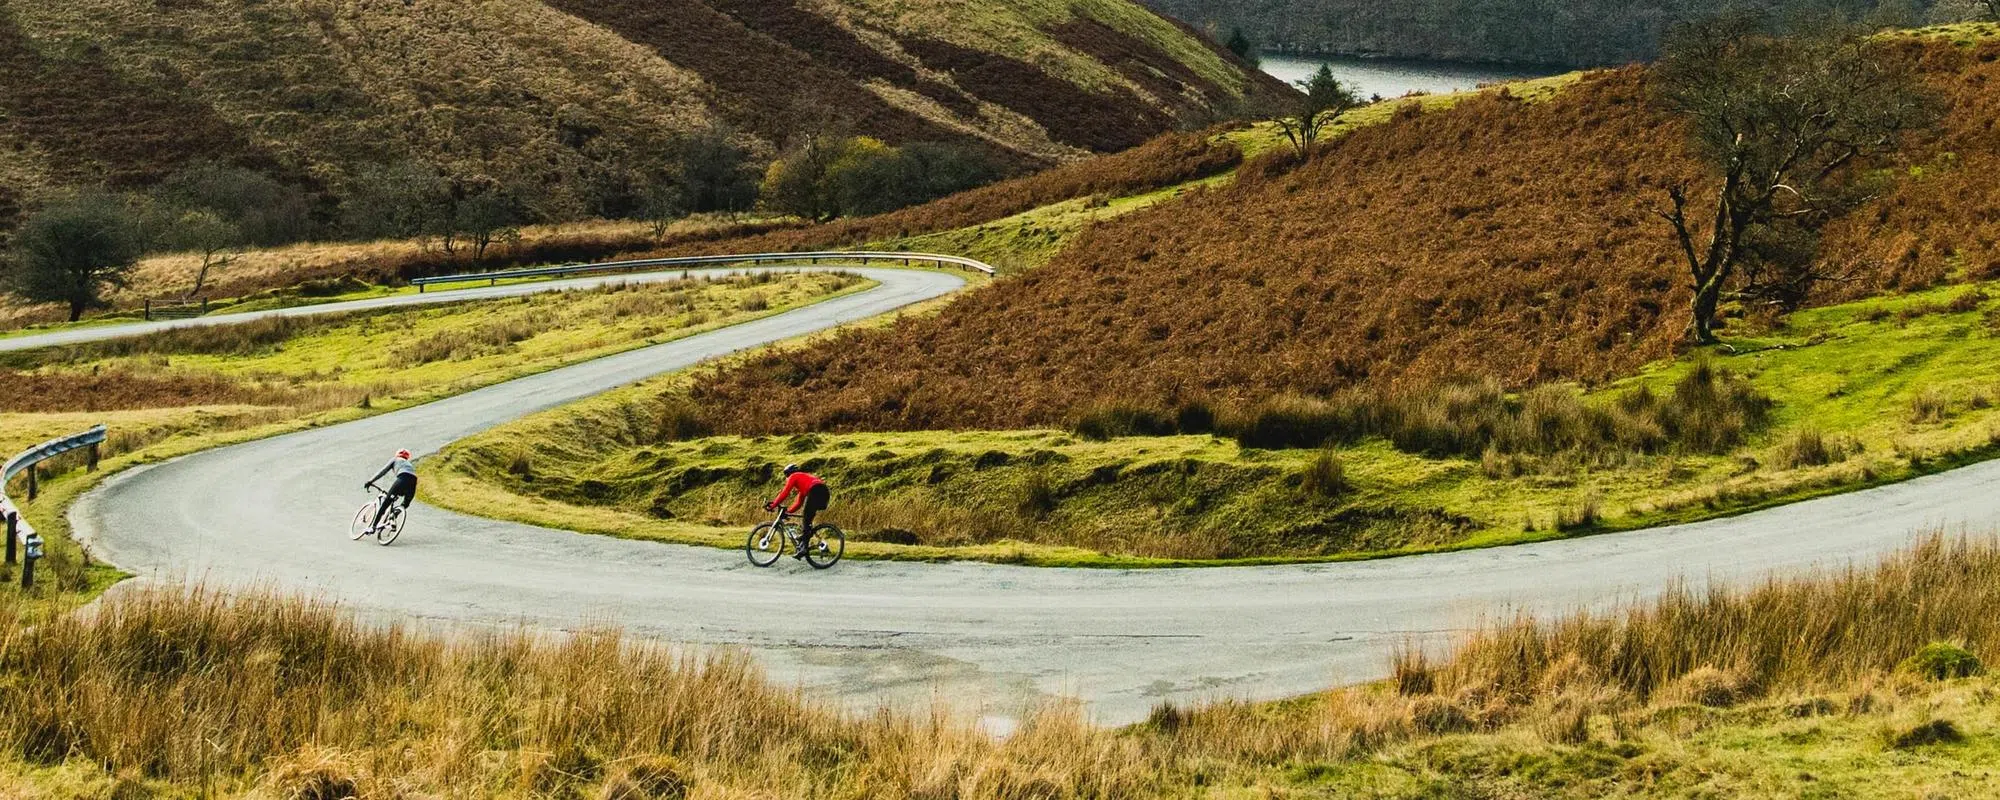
(992, 638)
(95, 333)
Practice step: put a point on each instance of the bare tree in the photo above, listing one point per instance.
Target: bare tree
(208, 234)
(1781, 121)
(1324, 101)
(486, 217)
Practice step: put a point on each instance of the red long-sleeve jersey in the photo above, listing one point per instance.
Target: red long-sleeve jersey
(800, 483)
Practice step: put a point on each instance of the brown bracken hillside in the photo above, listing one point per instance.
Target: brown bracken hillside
(1498, 238)
(124, 92)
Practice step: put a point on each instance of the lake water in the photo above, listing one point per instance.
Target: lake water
(1395, 77)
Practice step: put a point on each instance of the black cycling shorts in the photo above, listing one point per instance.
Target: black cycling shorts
(405, 487)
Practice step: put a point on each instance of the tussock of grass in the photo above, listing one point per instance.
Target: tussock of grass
(1707, 411)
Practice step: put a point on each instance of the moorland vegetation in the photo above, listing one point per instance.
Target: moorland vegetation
(1469, 241)
(1823, 682)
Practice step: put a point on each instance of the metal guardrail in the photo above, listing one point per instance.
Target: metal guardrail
(860, 257)
(18, 530)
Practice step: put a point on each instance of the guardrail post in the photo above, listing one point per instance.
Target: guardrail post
(31, 554)
(13, 530)
(149, 309)
(90, 464)
(32, 488)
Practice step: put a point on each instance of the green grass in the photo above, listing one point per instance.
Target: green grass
(1896, 387)
(1836, 745)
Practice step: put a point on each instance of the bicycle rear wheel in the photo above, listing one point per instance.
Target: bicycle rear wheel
(393, 526)
(359, 527)
(826, 547)
(764, 545)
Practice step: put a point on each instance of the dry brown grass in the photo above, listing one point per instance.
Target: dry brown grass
(294, 696)
(291, 697)
(1475, 241)
(1704, 644)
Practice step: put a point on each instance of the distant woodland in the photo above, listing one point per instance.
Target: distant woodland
(1554, 32)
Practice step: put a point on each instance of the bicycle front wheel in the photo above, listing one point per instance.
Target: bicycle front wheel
(826, 547)
(393, 526)
(359, 527)
(765, 545)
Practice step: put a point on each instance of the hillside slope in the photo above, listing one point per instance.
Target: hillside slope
(1465, 242)
(123, 92)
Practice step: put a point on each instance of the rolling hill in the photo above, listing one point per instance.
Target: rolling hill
(1469, 242)
(123, 92)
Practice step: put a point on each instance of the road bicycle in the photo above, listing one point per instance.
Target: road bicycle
(390, 526)
(770, 540)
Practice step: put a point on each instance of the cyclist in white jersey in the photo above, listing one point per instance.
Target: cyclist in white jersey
(404, 489)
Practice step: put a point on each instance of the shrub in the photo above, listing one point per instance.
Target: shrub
(1293, 421)
(1808, 447)
(1195, 417)
(1585, 514)
(1940, 661)
(1931, 732)
(1037, 495)
(1324, 476)
(1114, 420)
(680, 420)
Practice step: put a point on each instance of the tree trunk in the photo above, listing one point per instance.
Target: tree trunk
(1707, 298)
(75, 310)
(202, 276)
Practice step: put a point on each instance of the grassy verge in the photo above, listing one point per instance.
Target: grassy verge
(1864, 684)
(1862, 394)
(170, 394)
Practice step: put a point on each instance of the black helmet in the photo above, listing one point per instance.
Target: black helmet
(791, 468)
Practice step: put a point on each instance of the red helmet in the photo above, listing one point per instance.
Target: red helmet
(403, 454)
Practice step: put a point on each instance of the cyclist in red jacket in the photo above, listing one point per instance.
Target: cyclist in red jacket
(812, 499)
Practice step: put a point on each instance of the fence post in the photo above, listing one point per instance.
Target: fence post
(33, 554)
(13, 528)
(91, 464)
(149, 309)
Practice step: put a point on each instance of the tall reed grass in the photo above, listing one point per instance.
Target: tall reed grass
(293, 698)
(285, 695)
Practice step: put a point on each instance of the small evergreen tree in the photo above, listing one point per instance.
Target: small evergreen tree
(1240, 44)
